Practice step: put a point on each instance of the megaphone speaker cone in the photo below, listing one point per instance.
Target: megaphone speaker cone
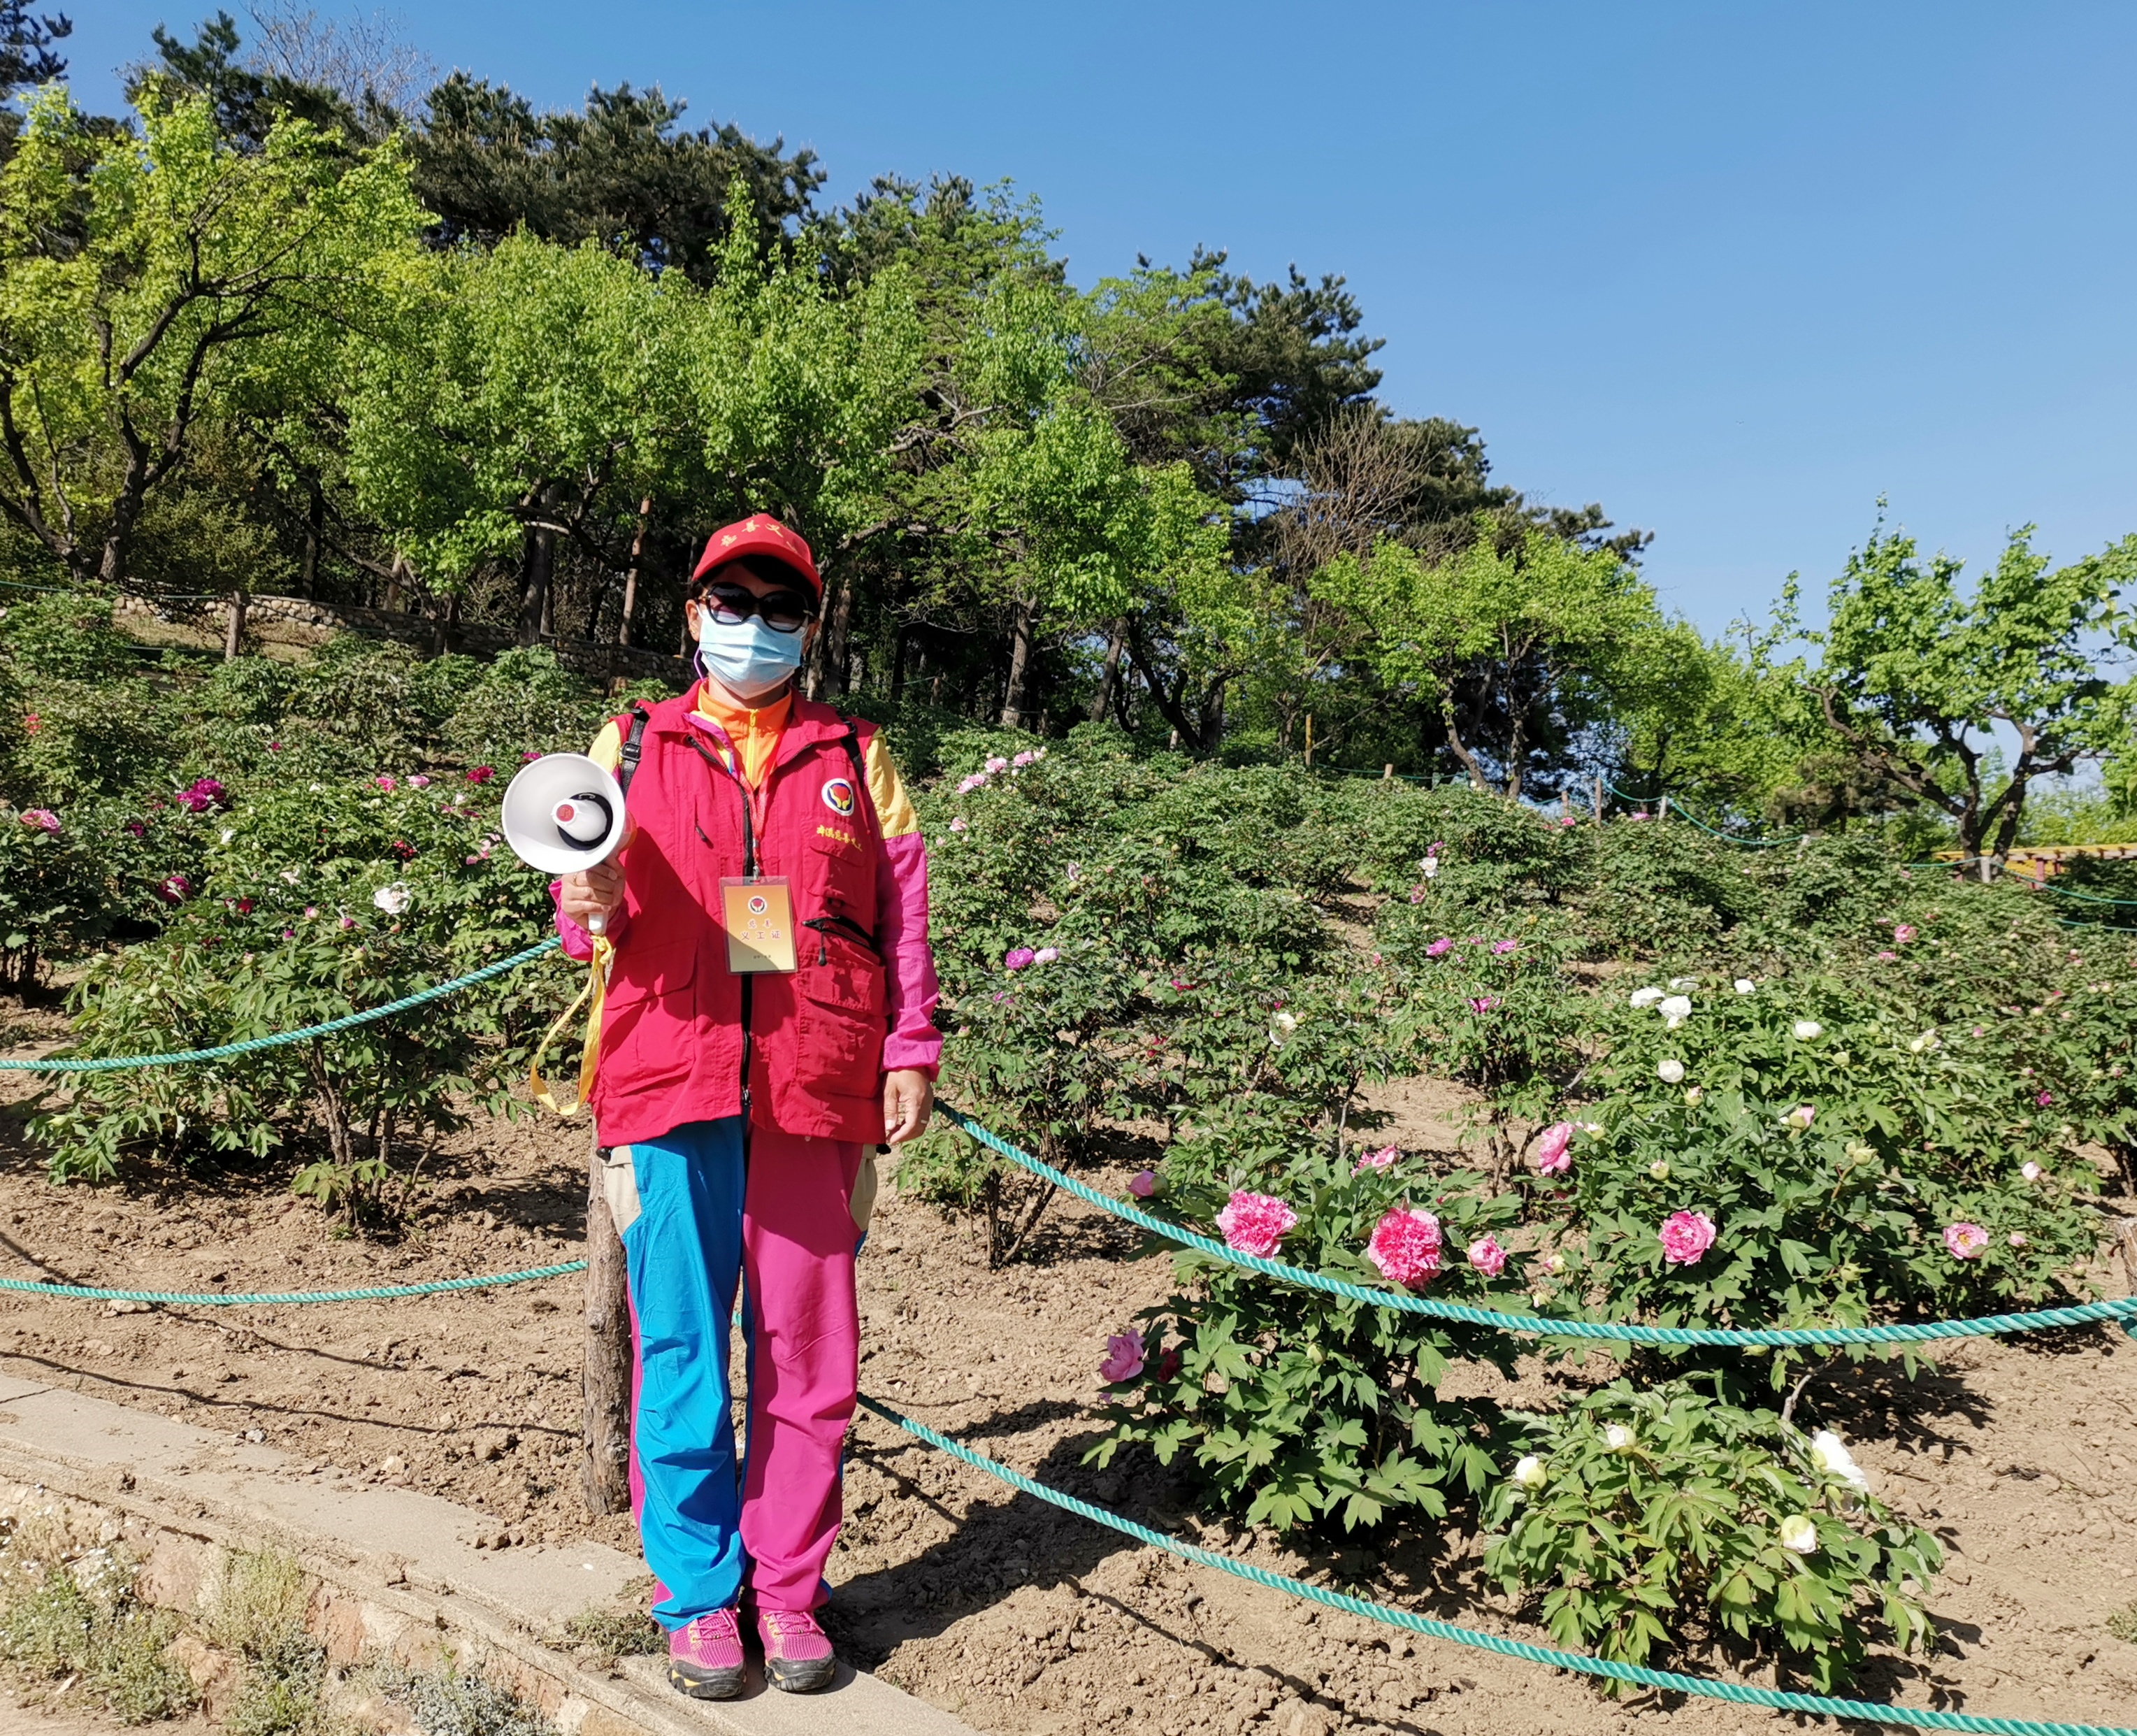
(563, 813)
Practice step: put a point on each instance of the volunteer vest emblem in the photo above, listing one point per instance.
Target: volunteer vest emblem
(838, 797)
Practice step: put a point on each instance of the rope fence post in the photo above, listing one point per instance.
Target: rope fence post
(605, 1436)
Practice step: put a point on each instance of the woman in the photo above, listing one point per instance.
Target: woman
(766, 1018)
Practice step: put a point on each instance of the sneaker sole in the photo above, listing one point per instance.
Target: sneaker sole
(705, 1683)
(806, 1676)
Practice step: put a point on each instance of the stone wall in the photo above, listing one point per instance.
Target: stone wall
(290, 628)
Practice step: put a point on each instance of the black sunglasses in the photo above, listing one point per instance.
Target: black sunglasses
(783, 611)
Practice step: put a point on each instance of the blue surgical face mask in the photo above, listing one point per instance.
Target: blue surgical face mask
(747, 657)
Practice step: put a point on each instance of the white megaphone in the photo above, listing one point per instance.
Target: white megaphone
(563, 814)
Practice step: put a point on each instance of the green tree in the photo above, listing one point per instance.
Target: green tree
(1915, 678)
(175, 280)
(1504, 657)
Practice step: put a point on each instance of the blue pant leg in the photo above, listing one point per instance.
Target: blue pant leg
(683, 1254)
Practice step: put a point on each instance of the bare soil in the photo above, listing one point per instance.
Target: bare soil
(1019, 1618)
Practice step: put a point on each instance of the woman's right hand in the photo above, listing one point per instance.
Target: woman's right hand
(597, 891)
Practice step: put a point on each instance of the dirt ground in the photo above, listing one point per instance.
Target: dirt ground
(1019, 1618)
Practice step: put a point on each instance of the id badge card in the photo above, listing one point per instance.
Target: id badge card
(760, 923)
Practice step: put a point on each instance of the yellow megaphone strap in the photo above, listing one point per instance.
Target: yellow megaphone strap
(597, 988)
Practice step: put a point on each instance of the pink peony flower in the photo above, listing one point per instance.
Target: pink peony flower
(1886, 958)
(1439, 947)
(1417, 895)
(1045, 955)
(135, 828)
(1487, 1256)
(1168, 1363)
(1255, 1223)
(1018, 957)
(997, 763)
(2031, 1170)
(2017, 1238)
(957, 824)
(311, 910)
(1405, 1246)
(1181, 987)
(528, 756)
(173, 888)
(480, 774)
(385, 783)
(977, 781)
(1965, 1240)
(1143, 1183)
(1640, 815)
(1124, 1357)
(1505, 946)
(1904, 932)
(419, 782)
(1484, 1004)
(274, 747)
(1380, 1159)
(2043, 1099)
(1554, 1153)
(43, 818)
(31, 723)
(1026, 758)
(1687, 1236)
(346, 922)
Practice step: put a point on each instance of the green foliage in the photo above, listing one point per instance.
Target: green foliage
(72, 1615)
(52, 897)
(1653, 1512)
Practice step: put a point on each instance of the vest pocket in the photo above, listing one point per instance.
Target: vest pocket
(840, 1009)
(647, 1018)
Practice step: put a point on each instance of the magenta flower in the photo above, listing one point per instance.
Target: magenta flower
(1904, 932)
(1405, 1246)
(43, 818)
(1487, 1256)
(1484, 1004)
(346, 922)
(1965, 1240)
(1505, 946)
(173, 888)
(1181, 986)
(1380, 1159)
(480, 774)
(1124, 1357)
(384, 783)
(1143, 1183)
(311, 910)
(1554, 1153)
(135, 828)
(1439, 947)
(1018, 957)
(1640, 815)
(2043, 1099)
(1417, 895)
(1255, 1223)
(1685, 1235)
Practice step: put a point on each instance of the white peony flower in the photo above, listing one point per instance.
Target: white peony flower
(1670, 1072)
(1830, 1454)
(1530, 1473)
(1430, 867)
(2030, 1170)
(1926, 1042)
(1618, 1438)
(1799, 1534)
(1806, 1029)
(1643, 998)
(393, 899)
(228, 833)
(1282, 1027)
(1745, 985)
(1677, 1007)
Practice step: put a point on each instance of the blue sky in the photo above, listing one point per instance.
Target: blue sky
(1734, 270)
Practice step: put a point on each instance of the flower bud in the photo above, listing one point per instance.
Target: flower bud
(1670, 1072)
(1659, 1170)
(1618, 1438)
(1806, 1029)
(1530, 1473)
(1799, 1534)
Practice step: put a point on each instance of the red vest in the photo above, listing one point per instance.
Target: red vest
(673, 1023)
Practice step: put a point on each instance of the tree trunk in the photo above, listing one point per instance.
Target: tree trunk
(605, 1458)
(630, 578)
(448, 619)
(393, 596)
(1020, 664)
(835, 632)
(233, 637)
(541, 565)
(897, 665)
(816, 667)
(1109, 675)
(315, 528)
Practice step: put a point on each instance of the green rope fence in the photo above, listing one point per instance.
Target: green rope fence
(272, 1299)
(1539, 1325)
(223, 1051)
(1742, 1694)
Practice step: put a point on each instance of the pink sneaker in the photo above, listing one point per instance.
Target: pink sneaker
(798, 1658)
(704, 1659)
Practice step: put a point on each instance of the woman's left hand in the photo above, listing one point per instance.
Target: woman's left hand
(908, 1100)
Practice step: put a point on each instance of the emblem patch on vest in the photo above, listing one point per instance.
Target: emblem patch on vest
(838, 797)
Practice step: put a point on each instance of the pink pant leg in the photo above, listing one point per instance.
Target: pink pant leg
(797, 1254)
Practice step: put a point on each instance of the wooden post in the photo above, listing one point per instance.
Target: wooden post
(2126, 1236)
(1662, 811)
(605, 1458)
(233, 637)
(1309, 741)
(1388, 773)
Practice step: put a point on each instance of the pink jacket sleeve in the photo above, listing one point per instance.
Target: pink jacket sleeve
(908, 961)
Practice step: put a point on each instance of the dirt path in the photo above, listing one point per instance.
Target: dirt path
(1020, 1618)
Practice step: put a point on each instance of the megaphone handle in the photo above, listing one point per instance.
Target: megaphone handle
(596, 923)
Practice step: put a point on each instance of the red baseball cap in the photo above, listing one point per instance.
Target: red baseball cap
(760, 534)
